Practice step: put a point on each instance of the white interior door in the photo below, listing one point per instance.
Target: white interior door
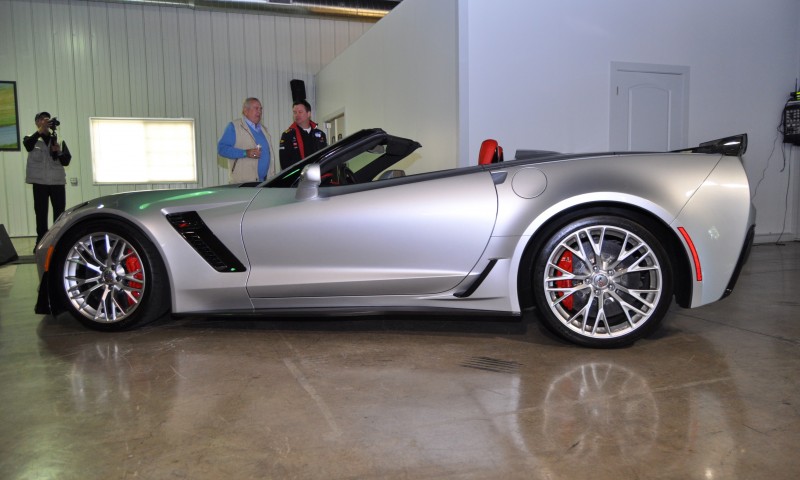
(335, 129)
(649, 109)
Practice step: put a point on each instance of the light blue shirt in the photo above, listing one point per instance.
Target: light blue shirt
(225, 147)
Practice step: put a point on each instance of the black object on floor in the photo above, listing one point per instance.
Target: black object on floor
(7, 251)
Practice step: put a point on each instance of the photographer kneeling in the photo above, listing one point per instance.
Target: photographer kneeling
(45, 171)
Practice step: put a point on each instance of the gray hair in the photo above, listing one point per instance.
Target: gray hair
(249, 101)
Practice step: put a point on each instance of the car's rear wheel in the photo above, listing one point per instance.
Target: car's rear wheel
(110, 277)
(602, 281)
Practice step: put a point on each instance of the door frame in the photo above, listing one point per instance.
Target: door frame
(632, 67)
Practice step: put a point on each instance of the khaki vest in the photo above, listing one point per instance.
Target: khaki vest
(246, 169)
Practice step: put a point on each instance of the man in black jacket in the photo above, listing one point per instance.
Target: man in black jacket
(302, 138)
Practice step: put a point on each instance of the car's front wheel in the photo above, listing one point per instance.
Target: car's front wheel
(602, 281)
(110, 277)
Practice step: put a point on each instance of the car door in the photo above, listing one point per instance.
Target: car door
(406, 238)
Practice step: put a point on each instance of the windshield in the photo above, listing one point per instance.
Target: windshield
(359, 158)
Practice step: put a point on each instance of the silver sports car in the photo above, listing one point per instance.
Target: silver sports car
(599, 244)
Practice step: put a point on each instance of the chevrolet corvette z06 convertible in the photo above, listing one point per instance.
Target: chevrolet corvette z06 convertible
(599, 244)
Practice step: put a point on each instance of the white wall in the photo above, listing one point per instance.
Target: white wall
(78, 59)
(447, 73)
(401, 76)
(538, 76)
(795, 160)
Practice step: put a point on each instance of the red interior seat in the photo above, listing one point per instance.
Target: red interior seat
(490, 152)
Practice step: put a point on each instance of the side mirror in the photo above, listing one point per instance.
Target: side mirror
(310, 178)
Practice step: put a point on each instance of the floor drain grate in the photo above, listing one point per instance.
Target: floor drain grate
(492, 365)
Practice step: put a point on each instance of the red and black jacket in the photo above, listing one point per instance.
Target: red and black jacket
(296, 144)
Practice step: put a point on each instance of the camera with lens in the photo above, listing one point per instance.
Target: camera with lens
(61, 154)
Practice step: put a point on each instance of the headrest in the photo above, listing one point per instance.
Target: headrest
(488, 152)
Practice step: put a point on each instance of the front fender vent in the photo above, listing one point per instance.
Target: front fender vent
(194, 230)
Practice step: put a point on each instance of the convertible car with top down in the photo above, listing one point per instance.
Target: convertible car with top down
(598, 244)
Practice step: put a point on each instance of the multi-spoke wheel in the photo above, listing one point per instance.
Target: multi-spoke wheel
(602, 281)
(111, 277)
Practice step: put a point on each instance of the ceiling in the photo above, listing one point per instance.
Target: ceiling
(366, 10)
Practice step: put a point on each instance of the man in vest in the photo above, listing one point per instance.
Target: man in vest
(302, 138)
(45, 171)
(246, 145)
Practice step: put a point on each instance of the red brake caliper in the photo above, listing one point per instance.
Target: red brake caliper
(565, 263)
(132, 264)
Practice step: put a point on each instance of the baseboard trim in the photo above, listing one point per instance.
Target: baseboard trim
(761, 238)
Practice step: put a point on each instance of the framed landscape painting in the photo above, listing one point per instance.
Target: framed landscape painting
(9, 118)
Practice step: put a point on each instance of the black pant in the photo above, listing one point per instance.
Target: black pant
(57, 195)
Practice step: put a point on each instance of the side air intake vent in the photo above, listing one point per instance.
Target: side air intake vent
(192, 228)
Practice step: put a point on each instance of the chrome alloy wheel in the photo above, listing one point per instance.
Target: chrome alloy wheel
(603, 281)
(103, 277)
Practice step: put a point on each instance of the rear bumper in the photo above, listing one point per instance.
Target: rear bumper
(743, 256)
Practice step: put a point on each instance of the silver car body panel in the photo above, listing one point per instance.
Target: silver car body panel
(194, 284)
(386, 241)
(418, 242)
(713, 217)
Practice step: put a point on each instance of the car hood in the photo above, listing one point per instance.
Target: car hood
(144, 200)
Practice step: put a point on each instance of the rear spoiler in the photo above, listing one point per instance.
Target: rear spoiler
(734, 146)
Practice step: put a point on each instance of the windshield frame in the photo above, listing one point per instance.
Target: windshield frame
(332, 156)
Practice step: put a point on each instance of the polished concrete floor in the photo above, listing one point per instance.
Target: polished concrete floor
(715, 394)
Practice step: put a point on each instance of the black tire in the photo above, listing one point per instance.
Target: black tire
(613, 285)
(109, 276)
